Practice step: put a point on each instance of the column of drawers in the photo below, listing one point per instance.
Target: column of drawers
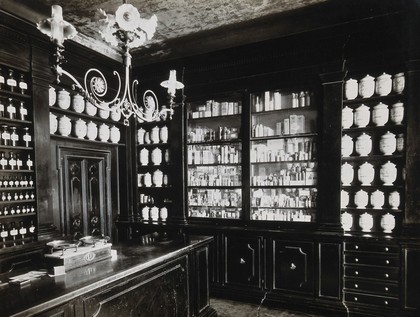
(371, 275)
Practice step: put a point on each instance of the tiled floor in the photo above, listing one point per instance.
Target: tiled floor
(229, 308)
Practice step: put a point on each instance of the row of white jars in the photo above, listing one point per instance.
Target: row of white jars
(155, 135)
(366, 87)
(366, 173)
(156, 156)
(77, 103)
(381, 114)
(156, 179)
(388, 144)
(65, 126)
(366, 222)
(375, 198)
(154, 213)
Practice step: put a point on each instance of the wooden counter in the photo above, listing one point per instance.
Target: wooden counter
(163, 279)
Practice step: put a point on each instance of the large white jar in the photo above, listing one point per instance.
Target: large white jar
(363, 144)
(346, 145)
(361, 199)
(147, 179)
(163, 134)
(104, 132)
(90, 109)
(344, 199)
(362, 116)
(78, 104)
(140, 135)
(377, 199)
(347, 117)
(80, 129)
(366, 174)
(351, 88)
(388, 222)
(398, 83)
(367, 86)
(156, 156)
(116, 115)
(145, 213)
(52, 96)
(383, 84)
(366, 222)
(154, 213)
(346, 221)
(115, 134)
(394, 199)
(380, 114)
(154, 135)
(63, 99)
(104, 114)
(397, 112)
(347, 174)
(64, 126)
(92, 131)
(157, 178)
(163, 213)
(388, 173)
(400, 142)
(388, 143)
(144, 156)
(53, 123)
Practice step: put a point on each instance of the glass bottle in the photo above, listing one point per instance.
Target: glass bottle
(14, 137)
(5, 136)
(29, 162)
(23, 111)
(27, 138)
(3, 234)
(19, 163)
(11, 109)
(22, 84)
(3, 161)
(13, 232)
(1, 79)
(12, 162)
(32, 229)
(30, 182)
(1, 109)
(22, 230)
(11, 81)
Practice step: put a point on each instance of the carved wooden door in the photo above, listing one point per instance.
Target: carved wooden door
(85, 191)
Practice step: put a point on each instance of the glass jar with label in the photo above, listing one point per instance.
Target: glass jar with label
(397, 112)
(27, 138)
(367, 86)
(14, 137)
(388, 143)
(383, 84)
(11, 81)
(351, 88)
(11, 109)
(380, 114)
(23, 111)
(362, 116)
(366, 222)
(347, 117)
(23, 85)
(5, 136)
(398, 83)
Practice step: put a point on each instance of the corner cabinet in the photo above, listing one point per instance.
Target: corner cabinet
(18, 207)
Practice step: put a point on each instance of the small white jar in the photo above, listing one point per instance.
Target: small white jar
(380, 114)
(367, 86)
(92, 131)
(115, 134)
(80, 129)
(78, 104)
(104, 114)
(147, 179)
(116, 115)
(347, 174)
(366, 222)
(140, 135)
(104, 132)
(157, 178)
(52, 96)
(383, 84)
(154, 213)
(156, 156)
(144, 156)
(163, 134)
(394, 199)
(361, 199)
(350, 88)
(388, 173)
(363, 144)
(145, 213)
(388, 222)
(163, 213)
(64, 126)
(53, 123)
(398, 83)
(397, 112)
(63, 99)
(388, 143)
(90, 109)
(347, 117)
(344, 199)
(362, 116)
(346, 221)
(154, 135)
(346, 145)
(366, 174)
(377, 199)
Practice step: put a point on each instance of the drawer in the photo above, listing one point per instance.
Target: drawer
(366, 247)
(387, 289)
(369, 259)
(376, 300)
(391, 274)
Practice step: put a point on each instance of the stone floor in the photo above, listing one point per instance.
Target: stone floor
(229, 308)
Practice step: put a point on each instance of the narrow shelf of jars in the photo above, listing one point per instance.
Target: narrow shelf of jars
(308, 209)
(16, 122)
(285, 136)
(215, 164)
(16, 147)
(376, 129)
(284, 186)
(17, 188)
(371, 209)
(284, 110)
(393, 97)
(5, 92)
(148, 145)
(375, 158)
(74, 138)
(214, 187)
(283, 215)
(26, 171)
(206, 118)
(21, 215)
(215, 212)
(276, 162)
(216, 142)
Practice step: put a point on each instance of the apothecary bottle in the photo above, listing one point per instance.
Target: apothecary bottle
(104, 132)
(394, 199)
(350, 88)
(23, 85)
(52, 96)
(80, 128)
(388, 173)
(78, 104)
(388, 143)
(361, 199)
(377, 199)
(363, 144)
(92, 131)
(53, 123)
(11, 109)
(23, 111)
(63, 99)
(388, 222)
(347, 117)
(347, 173)
(367, 86)
(398, 83)
(11, 81)
(383, 84)
(140, 135)
(366, 222)
(362, 116)
(380, 114)
(144, 157)
(366, 173)
(397, 112)
(346, 221)
(154, 135)
(346, 145)
(115, 134)
(64, 126)
(14, 137)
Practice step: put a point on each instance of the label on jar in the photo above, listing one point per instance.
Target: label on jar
(23, 85)
(11, 82)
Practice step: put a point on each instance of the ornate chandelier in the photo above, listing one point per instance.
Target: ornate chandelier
(125, 29)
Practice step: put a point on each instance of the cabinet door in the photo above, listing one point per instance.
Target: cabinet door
(293, 266)
(243, 261)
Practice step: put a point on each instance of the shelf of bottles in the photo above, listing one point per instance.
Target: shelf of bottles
(373, 152)
(17, 176)
(155, 200)
(71, 116)
(283, 156)
(214, 156)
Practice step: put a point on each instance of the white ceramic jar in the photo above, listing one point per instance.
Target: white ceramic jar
(78, 104)
(157, 178)
(367, 86)
(347, 117)
(63, 99)
(388, 222)
(145, 213)
(377, 199)
(388, 173)
(400, 142)
(80, 128)
(147, 138)
(351, 88)
(366, 222)
(52, 96)
(346, 221)
(346, 145)
(144, 156)
(140, 135)
(397, 112)
(154, 135)
(156, 156)
(163, 134)
(64, 126)
(154, 213)
(380, 114)
(388, 143)
(116, 114)
(104, 132)
(147, 179)
(114, 134)
(362, 116)
(383, 84)
(347, 174)
(53, 123)
(344, 199)
(90, 109)
(394, 199)
(104, 114)
(366, 173)
(361, 199)
(163, 213)
(363, 144)
(92, 131)
(398, 83)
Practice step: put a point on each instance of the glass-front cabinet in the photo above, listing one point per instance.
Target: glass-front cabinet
(283, 143)
(214, 158)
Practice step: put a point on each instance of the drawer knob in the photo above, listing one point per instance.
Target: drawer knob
(242, 261)
(386, 289)
(292, 266)
(386, 275)
(386, 249)
(386, 302)
(387, 261)
(356, 260)
(356, 273)
(356, 285)
(355, 299)
(356, 247)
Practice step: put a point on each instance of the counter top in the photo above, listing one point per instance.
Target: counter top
(46, 292)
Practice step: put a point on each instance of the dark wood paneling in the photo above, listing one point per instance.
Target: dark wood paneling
(330, 264)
